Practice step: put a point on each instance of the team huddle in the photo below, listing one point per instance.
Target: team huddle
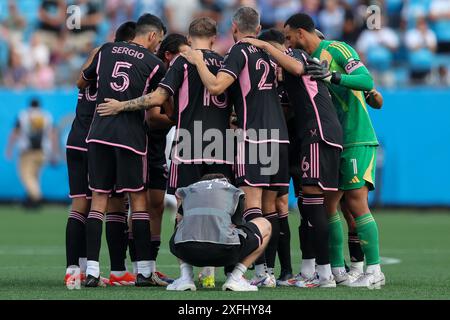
(277, 106)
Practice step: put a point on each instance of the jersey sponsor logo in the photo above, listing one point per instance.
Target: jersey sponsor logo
(352, 65)
(313, 132)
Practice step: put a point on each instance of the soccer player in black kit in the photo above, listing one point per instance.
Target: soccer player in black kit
(77, 163)
(194, 106)
(117, 145)
(320, 140)
(251, 76)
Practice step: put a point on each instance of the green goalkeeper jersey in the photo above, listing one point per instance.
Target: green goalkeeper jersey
(348, 96)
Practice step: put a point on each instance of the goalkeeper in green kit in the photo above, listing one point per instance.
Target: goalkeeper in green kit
(338, 64)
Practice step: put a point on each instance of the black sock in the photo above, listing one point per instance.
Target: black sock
(131, 247)
(75, 238)
(155, 243)
(271, 249)
(305, 234)
(94, 229)
(314, 208)
(284, 244)
(116, 227)
(354, 246)
(251, 214)
(141, 234)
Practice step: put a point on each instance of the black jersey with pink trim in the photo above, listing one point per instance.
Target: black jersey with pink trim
(254, 94)
(196, 110)
(123, 71)
(315, 116)
(83, 117)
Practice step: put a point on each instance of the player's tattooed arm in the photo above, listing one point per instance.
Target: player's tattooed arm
(288, 63)
(216, 85)
(112, 107)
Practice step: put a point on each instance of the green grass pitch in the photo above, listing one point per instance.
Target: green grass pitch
(414, 244)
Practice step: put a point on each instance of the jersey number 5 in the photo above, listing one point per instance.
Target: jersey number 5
(117, 74)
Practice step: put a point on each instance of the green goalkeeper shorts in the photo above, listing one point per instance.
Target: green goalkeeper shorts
(358, 167)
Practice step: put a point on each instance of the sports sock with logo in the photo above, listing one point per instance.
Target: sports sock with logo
(336, 241)
(368, 235)
(94, 229)
(271, 249)
(142, 238)
(305, 233)
(354, 247)
(75, 238)
(239, 271)
(284, 244)
(116, 227)
(313, 206)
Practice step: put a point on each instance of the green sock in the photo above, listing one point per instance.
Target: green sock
(336, 241)
(368, 235)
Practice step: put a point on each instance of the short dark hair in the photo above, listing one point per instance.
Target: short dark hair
(319, 34)
(246, 19)
(301, 20)
(35, 103)
(147, 22)
(172, 44)
(126, 32)
(272, 35)
(212, 176)
(203, 27)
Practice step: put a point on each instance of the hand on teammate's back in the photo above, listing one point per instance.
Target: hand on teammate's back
(256, 42)
(192, 56)
(109, 108)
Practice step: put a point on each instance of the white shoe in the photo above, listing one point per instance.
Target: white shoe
(353, 275)
(342, 278)
(238, 285)
(369, 280)
(303, 282)
(263, 280)
(327, 283)
(182, 284)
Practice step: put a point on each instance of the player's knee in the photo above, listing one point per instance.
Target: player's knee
(312, 190)
(282, 204)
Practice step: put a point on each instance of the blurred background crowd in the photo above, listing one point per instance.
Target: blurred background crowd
(38, 50)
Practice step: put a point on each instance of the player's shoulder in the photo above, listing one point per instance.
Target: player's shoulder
(212, 54)
(341, 48)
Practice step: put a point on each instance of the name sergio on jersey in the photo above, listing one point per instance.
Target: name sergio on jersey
(131, 52)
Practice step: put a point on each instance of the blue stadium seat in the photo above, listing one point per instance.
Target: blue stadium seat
(379, 58)
(421, 60)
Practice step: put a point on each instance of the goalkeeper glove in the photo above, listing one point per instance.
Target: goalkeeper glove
(319, 71)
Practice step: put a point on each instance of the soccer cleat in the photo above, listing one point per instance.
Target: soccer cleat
(157, 281)
(353, 275)
(93, 282)
(164, 277)
(238, 285)
(72, 279)
(285, 280)
(142, 281)
(182, 284)
(128, 279)
(369, 280)
(300, 281)
(342, 278)
(263, 280)
(327, 283)
(207, 281)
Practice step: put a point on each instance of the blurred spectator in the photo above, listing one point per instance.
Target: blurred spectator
(118, 11)
(283, 9)
(440, 15)
(331, 20)
(82, 39)
(312, 7)
(36, 139)
(179, 14)
(444, 76)
(52, 18)
(15, 23)
(212, 9)
(421, 43)
(36, 52)
(350, 28)
(42, 77)
(16, 75)
(155, 7)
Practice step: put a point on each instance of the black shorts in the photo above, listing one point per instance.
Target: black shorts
(184, 174)
(115, 169)
(77, 167)
(294, 167)
(319, 165)
(251, 170)
(203, 254)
